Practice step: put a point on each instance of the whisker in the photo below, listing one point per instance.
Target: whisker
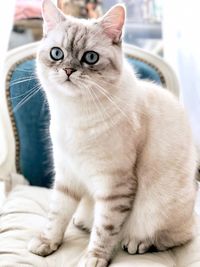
(28, 91)
(94, 98)
(25, 99)
(18, 81)
(105, 112)
(128, 105)
(106, 117)
(98, 107)
(103, 91)
(21, 78)
(26, 70)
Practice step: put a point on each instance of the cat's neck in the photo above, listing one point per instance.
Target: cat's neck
(88, 111)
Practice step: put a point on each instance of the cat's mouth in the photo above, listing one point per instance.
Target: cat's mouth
(68, 80)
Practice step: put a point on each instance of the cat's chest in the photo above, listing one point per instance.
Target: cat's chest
(70, 141)
(91, 145)
(87, 149)
(74, 134)
(83, 145)
(80, 150)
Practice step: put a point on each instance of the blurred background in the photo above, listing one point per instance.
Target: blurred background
(166, 28)
(143, 26)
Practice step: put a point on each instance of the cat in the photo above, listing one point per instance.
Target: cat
(123, 150)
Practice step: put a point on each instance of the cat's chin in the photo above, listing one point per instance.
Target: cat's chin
(69, 89)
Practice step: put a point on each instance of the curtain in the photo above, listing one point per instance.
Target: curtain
(6, 21)
(181, 22)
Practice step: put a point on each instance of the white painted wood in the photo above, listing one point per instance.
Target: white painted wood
(169, 75)
(6, 22)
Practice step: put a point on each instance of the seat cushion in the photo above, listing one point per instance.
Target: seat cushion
(23, 215)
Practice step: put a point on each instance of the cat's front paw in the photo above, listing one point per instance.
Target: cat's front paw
(42, 246)
(129, 245)
(132, 246)
(91, 261)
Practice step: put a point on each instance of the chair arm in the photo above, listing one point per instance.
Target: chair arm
(7, 141)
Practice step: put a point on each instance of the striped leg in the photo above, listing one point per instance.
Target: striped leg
(63, 205)
(111, 210)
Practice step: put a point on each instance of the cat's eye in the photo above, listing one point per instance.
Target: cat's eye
(90, 57)
(56, 53)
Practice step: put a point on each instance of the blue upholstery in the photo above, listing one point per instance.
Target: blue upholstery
(32, 120)
(144, 71)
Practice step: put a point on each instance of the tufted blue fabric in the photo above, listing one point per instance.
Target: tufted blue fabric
(144, 71)
(31, 116)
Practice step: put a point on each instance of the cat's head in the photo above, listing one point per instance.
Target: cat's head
(77, 53)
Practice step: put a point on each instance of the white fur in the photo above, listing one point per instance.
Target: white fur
(130, 132)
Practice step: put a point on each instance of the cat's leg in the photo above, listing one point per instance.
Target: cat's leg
(63, 204)
(161, 240)
(176, 235)
(133, 245)
(160, 220)
(146, 228)
(84, 215)
(131, 242)
(112, 206)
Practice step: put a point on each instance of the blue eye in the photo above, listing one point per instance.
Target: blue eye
(56, 53)
(90, 57)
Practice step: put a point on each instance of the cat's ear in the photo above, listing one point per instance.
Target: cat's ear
(51, 15)
(113, 22)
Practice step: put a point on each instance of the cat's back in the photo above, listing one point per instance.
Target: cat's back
(148, 95)
(167, 122)
(159, 102)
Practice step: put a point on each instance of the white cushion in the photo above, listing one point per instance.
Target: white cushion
(23, 215)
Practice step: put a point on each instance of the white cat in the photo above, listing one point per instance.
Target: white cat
(119, 143)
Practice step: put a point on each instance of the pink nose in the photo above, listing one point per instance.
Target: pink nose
(69, 71)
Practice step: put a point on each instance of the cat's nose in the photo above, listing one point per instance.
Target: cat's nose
(69, 71)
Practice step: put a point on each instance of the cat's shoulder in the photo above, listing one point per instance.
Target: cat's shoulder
(155, 97)
(156, 92)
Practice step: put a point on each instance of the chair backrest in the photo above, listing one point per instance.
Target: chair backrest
(25, 113)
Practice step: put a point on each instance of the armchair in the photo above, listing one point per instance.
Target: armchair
(26, 168)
